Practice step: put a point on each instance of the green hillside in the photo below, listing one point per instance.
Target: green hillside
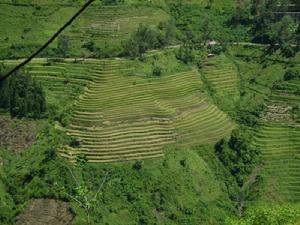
(121, 116)
(146, 112)
(278, 138)
(104, 26)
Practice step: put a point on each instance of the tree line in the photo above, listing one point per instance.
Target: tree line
(22, 95)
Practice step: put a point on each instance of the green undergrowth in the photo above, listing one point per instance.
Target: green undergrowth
(184, 187)
(103, 27)
(286, 214)
(165, 61)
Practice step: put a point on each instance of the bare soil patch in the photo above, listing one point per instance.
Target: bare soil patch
(17, 135)
(46, 212)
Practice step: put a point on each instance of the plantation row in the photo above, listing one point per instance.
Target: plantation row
(128, 117)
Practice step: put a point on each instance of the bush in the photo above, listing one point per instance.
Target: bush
(291, 74)
(237, 155)
(137, 165)
(147, 38)
(63, 45)
(156, 71)
(215, 49)
(185, 54)
(144, 39)
(75, 143)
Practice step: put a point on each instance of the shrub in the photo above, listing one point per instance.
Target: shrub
(63, 45)
(147, 38)
(237, 155)
(185, 54)
(75, 143)
(215, 49)
(156, 71)
(137, 165)
(291, 74)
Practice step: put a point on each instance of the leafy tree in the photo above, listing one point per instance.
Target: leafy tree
(156, 70)
(168, 31)
(291, 74)
(185, 54)
(147, 38)
(131, 48)
(262, 16)
(241, 14)
(237, 155)
(282, 36)
(63, 45)
(137, 165)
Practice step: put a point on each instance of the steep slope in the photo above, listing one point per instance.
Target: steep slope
(121, 117)
(62, 80)
(27, 25)
(279, 140)
(221, 75)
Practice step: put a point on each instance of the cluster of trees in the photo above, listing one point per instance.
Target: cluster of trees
(146, 38)
(186, 53)
(63, 43)
(197, 28)
(23, 96)
(291, 74)
(237, 155)
(281, 34)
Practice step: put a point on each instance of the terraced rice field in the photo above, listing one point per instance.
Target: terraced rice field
(113, 22)
(118, 116)
(222, 76)
(63, 81)
(279, 141)
(122, 117)
(280, 145)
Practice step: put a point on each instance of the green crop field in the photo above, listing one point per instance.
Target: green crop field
(63, 81)
(128, 117)
(103, 25)
(119, 116)
(221, 74)
(279, 140)
(280, 147)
